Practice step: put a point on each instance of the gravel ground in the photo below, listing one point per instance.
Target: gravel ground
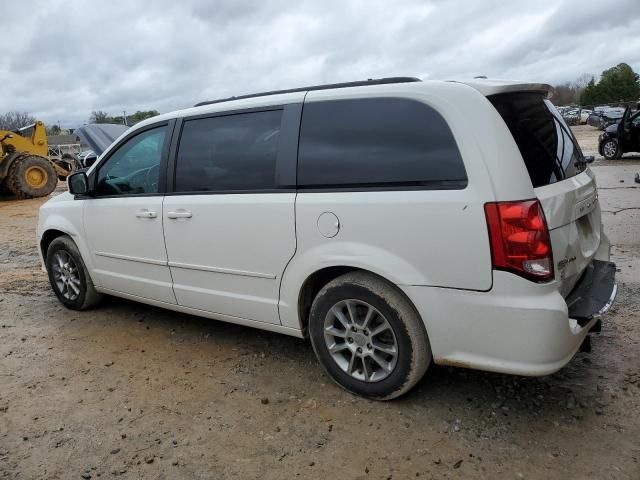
(132, 391)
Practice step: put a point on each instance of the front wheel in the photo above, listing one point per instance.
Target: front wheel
(368, 336)
(31, 176)
(68, 275)
(611, 149)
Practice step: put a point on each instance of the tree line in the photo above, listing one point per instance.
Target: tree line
(14, 120)
(99, 116)
(617, 85)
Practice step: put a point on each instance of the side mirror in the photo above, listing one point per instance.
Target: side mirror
(589, 159)
(78, 183)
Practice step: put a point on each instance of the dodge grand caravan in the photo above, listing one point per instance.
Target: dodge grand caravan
(393, 222)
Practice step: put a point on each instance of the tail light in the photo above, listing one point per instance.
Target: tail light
(520, 239)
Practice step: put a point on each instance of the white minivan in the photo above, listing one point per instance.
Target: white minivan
(394, 222)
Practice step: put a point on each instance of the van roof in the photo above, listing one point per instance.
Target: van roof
(327, 86)
(482, 84)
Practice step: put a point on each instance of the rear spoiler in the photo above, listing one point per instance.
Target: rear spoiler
(488, 86)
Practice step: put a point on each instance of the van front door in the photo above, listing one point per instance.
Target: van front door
(123, 218)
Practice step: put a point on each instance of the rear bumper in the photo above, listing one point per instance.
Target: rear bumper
(595, 292)
(518, 327)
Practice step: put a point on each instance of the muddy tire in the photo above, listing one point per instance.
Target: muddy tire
(368, 336)
(68, 275)
(31, 176)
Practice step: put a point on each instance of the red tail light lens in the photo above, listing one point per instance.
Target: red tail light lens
(520, 239)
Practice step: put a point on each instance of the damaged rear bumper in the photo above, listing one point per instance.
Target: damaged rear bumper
(594, 294)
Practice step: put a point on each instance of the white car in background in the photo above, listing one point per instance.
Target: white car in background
(396, 223)
(584, 114)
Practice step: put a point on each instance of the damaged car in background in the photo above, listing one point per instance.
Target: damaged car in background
(98, 136)
(621, 137)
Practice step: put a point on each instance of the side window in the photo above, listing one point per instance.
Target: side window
(232, 152)
(377, 142)
(135, 167)
(636, 121)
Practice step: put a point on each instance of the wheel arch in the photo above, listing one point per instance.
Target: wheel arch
(49, 236)
(321, 277)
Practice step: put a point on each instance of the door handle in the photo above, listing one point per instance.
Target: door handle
(146, 214)
(179, 214)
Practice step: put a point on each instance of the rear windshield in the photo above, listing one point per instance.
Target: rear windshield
(548, 147)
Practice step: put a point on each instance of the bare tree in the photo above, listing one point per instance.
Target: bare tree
(581, 82)
(53, 130)
(99, 116)
(15, 120)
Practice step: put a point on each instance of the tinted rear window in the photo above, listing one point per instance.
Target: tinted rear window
(548, 147)
(377, 142)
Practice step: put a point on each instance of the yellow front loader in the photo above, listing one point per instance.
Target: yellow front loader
(25, 168)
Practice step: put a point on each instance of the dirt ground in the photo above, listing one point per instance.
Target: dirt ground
(132, 391)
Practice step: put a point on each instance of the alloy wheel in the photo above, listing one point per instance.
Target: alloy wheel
(609, 149)
(66, 275)
(360, 340)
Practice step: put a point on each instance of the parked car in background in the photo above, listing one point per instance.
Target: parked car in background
(396, 223)
(87, 158)
(602, 118)
(594, 119)
(570, 116)
(584, 115)
(574, 115)
(98, 136)
(621, 137)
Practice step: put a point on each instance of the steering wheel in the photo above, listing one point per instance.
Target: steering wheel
(151, 179)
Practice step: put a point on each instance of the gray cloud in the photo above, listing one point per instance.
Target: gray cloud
(67, 58)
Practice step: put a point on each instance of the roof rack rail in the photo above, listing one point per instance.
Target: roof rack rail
(361, 83)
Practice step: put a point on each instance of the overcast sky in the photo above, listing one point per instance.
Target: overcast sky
(62, 59)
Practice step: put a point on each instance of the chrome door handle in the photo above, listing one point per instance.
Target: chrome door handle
(146, 214)
(179, 214)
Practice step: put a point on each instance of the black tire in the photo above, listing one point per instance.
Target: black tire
(87, 297)
(19, 174)
(4, 189)
(611, 149)
(413, 349)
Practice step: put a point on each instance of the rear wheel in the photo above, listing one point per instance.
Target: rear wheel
(611, 149)
(368, 337)
(31, 176)
(68, 275)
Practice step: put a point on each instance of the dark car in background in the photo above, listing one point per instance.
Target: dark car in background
(603, 118)
(98, 136)
(621, 137)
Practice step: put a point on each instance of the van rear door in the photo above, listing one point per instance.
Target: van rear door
(564, 185)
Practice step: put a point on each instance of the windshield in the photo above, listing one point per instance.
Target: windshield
(548, 147)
